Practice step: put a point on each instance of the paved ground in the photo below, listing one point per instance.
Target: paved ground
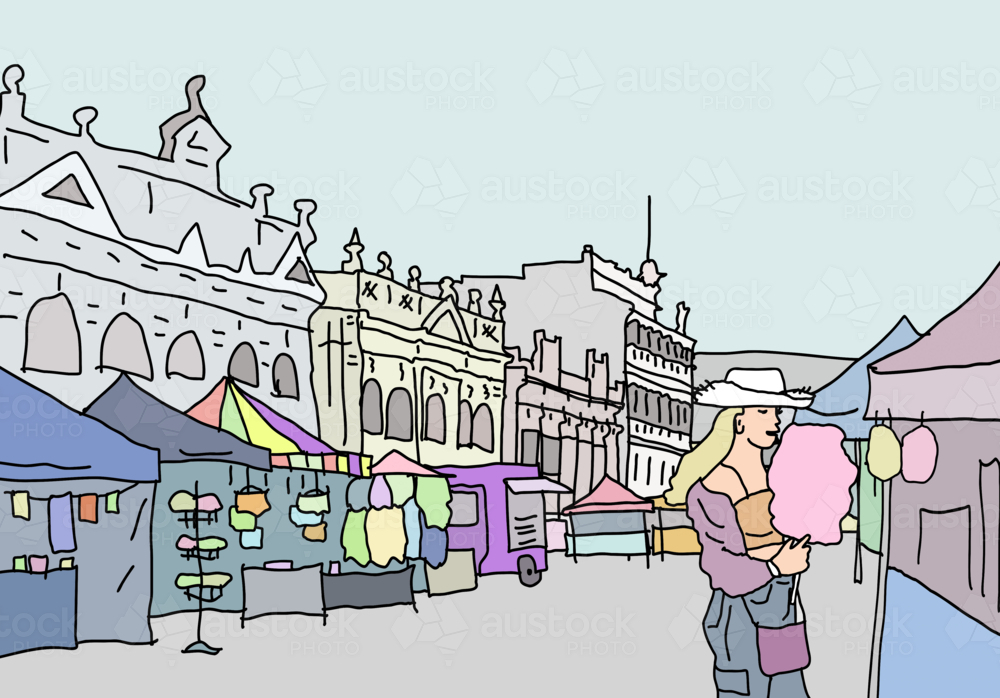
(597, 626)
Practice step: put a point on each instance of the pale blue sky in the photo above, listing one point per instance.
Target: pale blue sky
(752, 278)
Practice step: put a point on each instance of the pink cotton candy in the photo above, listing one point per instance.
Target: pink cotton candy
(919, 455)
(380, 496)
(811, 477)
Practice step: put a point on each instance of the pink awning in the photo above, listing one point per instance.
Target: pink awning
(609, 495)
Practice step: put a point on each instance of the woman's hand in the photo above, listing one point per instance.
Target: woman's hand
(793, 557)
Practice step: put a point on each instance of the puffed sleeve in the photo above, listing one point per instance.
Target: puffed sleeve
(723, 552)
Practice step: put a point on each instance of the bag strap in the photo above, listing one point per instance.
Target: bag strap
(797, 601)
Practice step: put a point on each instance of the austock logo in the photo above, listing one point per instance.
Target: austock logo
(836, 75)
(701, 184)
(440, 188)
(561, 76)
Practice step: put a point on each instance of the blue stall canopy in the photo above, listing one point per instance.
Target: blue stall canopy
(843, 401)
(43, 439)
(130, 410)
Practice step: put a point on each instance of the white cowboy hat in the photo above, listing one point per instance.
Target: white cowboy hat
(752, 387)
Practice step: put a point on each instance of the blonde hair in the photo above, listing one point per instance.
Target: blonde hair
(708, 454)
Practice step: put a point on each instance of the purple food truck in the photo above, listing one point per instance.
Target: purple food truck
(498, 512)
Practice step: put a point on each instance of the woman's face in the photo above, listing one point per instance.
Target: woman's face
(759, 425)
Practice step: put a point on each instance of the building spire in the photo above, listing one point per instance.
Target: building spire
(648, 273)
(354, 248)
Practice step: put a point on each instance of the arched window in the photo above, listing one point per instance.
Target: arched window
(243, 365)
(185, 357)
(124, 347)
(52, 337)
(482, 428)
(434, 423)
(464, 423)
(371, 407)
(399, 416)
(284, 377)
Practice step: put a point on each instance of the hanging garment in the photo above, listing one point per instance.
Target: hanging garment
(304, 518)
(386, 535)
(315, 533)
(380, 497)
(209, 503)
(252, 539)
(314, 501)
(884, 453)
(252, 503)
(357, 493)
(402, 488)
(111, 503)
(181, 501)
(433, 496)
(433, 544)
(353, 539)
(21, 505)
(62, 538)
(411, 523)
(919, 454)
(241, 522)
(88, 508)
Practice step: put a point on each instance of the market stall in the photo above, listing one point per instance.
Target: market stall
(230, 409)
(77, 515)
(608, 521)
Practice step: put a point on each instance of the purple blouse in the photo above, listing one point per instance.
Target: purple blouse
(723, 552)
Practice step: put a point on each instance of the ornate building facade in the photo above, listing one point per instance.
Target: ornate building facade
(597, 308)
(564, 423)
(115, 260)
(400, 367)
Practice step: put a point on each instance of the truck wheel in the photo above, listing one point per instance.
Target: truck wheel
(527, 572)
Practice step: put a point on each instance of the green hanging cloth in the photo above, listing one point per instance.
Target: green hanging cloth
(401, 487)
(433, 496)
(354, 539)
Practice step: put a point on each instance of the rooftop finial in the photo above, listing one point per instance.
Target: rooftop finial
(83, 118)
(448, 288)
(474, 296)
(386, 261)
(174, 124)
(354, 248)
(12, 98)
(414, 282)
(260, 192)
(497, 303)
(306, 207)
(682, 317)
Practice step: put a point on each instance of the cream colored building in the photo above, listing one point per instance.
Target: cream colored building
(397, 368)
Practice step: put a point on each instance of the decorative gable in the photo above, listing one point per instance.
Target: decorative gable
(445, 321)
(64, 191)
(68, 190)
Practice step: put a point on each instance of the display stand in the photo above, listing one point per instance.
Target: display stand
(200, 590)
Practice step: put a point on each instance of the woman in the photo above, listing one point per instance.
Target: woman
(751, 567)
